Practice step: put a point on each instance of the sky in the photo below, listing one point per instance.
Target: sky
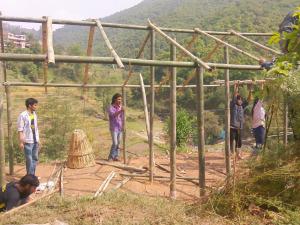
(63, 9)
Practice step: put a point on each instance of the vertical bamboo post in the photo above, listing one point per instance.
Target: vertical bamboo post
(8, 107)
(145, 106)
(2, 149)
(200, 121)
(50, 49)
(173, 125)
(227, 114)
(88, 53)
(285, 123)
(61, 182)
(45, 50)
(152, 100)
(124, 126)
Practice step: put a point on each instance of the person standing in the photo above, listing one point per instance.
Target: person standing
(237, 120)
(15, 194)
(258, 124)
(29, 134)
(116, 120)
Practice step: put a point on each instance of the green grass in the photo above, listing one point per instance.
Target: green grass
(111, 208)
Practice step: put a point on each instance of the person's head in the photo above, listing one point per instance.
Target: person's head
(261, 61)
(256, 100)
(116, 99)
(239, 100)
(28, 184)
(31, 104)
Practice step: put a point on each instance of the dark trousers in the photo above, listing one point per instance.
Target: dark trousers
(235, 135)
(259, 134)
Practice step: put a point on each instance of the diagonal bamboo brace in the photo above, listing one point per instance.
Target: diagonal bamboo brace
(185, 51)
(111, 49)
(227, 44)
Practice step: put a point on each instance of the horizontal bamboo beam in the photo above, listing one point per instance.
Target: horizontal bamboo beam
(127, 61)
(227, 44)
(255, 42)
(109, 46)
(183, 49)
(122, 26)
(159, 176)
(20, 84)
(240, 82)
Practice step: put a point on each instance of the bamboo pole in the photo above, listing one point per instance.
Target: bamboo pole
(88, 53)
(255, 42)
(172, 41)
(124, 125)
(142, 48)
(227, 114)
(108, 44)
(45, 50)
(152, 101)
(9, 131)
(50, 49)
(200, 118)
(104, 185)
(12, 211)
(123, 167)
(2, 149)
(241, 82)
(145, 107)
(61, 182)
(143, 45)
(173, 124)
(122, 26)
(285, 123)
(227, 44)
(30, 84)
(8, 108)
(127, 61)
(159, 176)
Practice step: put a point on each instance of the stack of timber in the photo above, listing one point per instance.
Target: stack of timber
(80, 154)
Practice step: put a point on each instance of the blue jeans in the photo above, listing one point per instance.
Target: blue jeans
(116, 140)
(31, 155)
(259, 134)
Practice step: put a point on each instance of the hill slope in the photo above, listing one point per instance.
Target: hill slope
(251, 15)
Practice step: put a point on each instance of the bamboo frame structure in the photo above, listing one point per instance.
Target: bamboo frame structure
(183, 49)
(48, 56)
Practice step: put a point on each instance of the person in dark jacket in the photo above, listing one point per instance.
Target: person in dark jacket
(15, 194)
(237, 120)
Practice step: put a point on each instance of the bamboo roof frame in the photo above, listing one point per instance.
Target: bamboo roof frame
(49, 56)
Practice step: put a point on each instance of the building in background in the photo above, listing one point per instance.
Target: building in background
(17, 40)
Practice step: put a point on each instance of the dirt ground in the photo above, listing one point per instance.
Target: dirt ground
(79, 182)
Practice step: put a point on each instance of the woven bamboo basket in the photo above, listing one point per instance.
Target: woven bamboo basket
(80, 153)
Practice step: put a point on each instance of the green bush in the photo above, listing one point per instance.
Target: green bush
(184, 127)
(61, 119)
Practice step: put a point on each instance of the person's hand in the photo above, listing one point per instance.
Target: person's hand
(21, 146)
(123, 109)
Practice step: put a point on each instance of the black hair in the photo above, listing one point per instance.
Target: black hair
(29, 179)
(254, 104)
(30, 101)
(115, 97)
(239, 97)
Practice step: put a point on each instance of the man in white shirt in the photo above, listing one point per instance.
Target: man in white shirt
(29, 135)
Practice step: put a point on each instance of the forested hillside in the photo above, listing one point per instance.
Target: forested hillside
(251, 15)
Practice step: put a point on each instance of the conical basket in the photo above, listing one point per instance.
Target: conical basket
(80, 154)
